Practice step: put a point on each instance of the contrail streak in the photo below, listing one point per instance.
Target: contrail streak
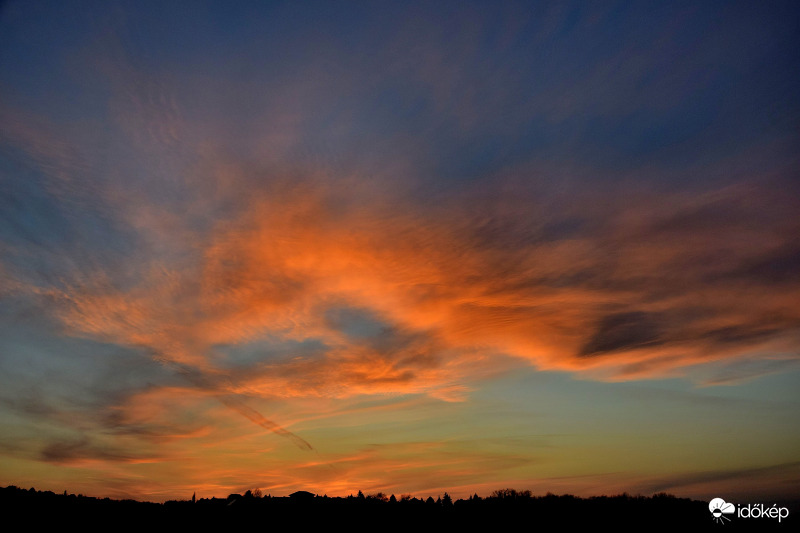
(233, 402)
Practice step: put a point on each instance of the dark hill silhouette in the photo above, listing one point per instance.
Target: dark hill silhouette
(503, 509)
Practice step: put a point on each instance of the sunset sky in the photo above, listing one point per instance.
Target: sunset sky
(400, 247)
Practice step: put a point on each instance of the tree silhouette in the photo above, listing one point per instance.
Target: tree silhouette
(624, 512)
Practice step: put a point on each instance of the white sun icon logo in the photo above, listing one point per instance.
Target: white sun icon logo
(719, 508)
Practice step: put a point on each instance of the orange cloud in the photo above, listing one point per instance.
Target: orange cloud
(616, 284)
(643, 294)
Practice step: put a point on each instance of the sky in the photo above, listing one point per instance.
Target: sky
(407, 247)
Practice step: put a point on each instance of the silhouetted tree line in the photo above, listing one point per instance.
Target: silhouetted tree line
(504, 508)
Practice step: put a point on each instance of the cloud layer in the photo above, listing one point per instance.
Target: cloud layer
(384, 205)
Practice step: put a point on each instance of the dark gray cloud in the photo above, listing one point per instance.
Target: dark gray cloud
(735, 482)
(779, 267)
(66, 451)
(623, 331)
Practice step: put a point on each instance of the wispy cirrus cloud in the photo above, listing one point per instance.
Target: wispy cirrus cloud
(640, 292)
(409, 210)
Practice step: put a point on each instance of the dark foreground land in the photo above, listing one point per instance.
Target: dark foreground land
(505, 510)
